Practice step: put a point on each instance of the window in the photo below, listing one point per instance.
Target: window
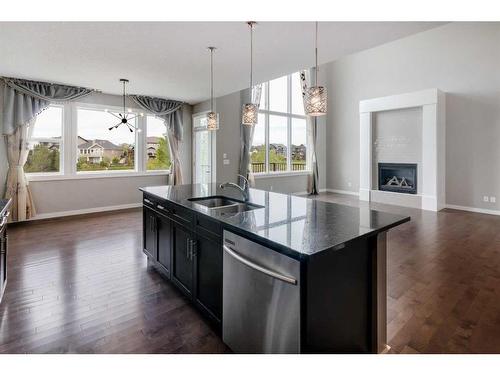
(45, 145)
(157, 148)
(73, 140)
(101, 149)
(280, 136)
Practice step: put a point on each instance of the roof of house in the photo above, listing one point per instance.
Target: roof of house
(107, 145)
(153, 140)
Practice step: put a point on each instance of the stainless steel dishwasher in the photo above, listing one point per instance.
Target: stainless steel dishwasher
(261, 298)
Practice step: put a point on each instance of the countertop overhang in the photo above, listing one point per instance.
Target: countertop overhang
(297, 226)
(4, 206)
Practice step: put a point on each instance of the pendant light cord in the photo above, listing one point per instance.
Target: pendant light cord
(124, 98)
(211, 79)
(251, 55)
(316, 54)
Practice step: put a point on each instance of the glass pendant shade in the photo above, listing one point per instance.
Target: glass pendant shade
(212, 121)
(249, 114)
(315, 101)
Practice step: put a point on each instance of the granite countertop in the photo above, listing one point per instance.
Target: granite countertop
(4, 205)
(298, 226)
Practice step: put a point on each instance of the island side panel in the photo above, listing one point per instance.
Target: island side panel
(379, 295)
(338, 299)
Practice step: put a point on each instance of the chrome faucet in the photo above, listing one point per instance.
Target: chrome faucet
(244, 190)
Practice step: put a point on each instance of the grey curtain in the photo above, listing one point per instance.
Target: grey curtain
(247, 134)
(23, 100)
(171, 113)
(312, 131)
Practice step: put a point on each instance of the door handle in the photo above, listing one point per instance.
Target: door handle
(259, 268)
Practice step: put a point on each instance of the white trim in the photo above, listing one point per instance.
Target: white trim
(473, 209)
(84, 211)
(347, 192)
(92, 175)
(407, 100)
(280, 174)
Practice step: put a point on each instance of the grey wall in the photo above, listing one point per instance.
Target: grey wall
(228, 142)
(461, 59)
(55, 196)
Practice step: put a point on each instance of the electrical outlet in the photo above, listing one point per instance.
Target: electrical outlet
(486, 198)
(271, 187)
(493, 199)
(224, 156)
(349, 184)
(226, 162)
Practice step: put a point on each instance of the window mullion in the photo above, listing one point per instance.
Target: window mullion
(289, 123)
(266, 122)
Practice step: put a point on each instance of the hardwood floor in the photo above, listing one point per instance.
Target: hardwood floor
(82, 285)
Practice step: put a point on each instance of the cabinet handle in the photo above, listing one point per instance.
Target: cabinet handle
(160, 206)
(193, 249)
(147, 201)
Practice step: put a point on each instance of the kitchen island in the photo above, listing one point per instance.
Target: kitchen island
(277, 274)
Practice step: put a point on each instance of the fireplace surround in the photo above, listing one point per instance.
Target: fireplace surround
(431, 193)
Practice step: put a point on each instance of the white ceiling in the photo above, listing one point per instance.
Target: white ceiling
(169, 59)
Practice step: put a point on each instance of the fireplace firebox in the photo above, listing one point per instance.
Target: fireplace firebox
(397, 177)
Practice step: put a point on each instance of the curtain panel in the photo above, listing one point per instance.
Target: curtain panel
(22, 102)
(307, 76)
(171, 113)
(247, 134)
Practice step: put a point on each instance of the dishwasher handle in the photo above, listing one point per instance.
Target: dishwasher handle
(259, 268)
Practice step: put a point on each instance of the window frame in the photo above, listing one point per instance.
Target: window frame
(264, 110)
(68, 147)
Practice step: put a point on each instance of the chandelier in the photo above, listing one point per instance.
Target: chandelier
(126, 117)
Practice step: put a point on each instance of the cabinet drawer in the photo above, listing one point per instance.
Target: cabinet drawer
(182, 215)
(204, 225)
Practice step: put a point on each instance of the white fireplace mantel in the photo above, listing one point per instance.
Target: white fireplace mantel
(432, 178)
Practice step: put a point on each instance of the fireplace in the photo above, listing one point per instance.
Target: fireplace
(397, 177)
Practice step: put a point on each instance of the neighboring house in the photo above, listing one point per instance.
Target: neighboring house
(152, 145)
(299, 152)
(278, 147)
(94, 151)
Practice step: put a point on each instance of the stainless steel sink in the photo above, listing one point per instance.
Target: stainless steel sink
(214, 202)
(223, 205)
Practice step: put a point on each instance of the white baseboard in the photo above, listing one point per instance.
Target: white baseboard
(473, 209)
(92, 210)
(348, 192)
(306, 192)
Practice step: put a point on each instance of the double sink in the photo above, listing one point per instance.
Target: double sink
(223, 205)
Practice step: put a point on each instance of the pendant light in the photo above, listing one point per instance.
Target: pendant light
(250, 110)
(124, 117)
(316, 96)
(212, 116)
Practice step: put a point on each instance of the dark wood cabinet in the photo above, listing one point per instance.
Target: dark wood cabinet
(208, 275)
(187, 248)
(3, 252)
(164, 242)
(149, 233)
(182, 262)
